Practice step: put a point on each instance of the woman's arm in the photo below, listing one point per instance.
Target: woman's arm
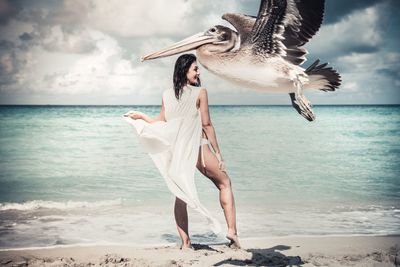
(206, 121)
(136, 115)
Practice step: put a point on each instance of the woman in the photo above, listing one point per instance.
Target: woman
(178, 140)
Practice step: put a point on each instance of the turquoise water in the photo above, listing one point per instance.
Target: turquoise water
(76, 174)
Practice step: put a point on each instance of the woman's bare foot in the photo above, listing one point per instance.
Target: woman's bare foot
(187, 246)
(234, 241)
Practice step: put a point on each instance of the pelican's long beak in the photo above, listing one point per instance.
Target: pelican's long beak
(187, 44)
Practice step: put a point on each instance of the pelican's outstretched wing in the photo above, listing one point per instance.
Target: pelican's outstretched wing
(303, 19)
(281, 27)
(266, 35)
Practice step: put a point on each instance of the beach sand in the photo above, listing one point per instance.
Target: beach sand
(277, 251)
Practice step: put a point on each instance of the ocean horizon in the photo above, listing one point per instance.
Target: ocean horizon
(76, 174)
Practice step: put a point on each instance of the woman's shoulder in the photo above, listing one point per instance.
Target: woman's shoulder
(202, 91)
(197, 88)
(201, 94)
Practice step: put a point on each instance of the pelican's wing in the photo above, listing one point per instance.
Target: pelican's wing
(282, 26)
(242, 23)
(266, 35)
(303, 20)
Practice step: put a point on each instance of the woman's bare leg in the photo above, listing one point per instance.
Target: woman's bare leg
(181, 219)
(223, 183)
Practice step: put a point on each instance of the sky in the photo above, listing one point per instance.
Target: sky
(77, 52)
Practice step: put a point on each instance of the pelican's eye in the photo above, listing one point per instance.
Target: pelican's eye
(213, 30)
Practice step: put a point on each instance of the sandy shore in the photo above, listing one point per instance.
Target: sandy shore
(283, 251)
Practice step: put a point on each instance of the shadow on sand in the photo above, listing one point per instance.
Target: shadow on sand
(260, 257)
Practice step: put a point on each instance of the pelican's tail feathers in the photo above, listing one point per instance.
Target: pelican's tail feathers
(322, 77)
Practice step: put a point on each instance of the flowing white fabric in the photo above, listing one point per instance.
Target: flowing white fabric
(174, 146)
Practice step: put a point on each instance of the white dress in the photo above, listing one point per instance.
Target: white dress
(174, 146)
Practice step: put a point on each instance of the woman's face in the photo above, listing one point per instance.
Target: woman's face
(193, 74)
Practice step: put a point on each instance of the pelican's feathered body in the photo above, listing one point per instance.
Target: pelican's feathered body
(265, 52)
(243, 70)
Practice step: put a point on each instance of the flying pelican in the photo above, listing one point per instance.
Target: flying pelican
(265, 52)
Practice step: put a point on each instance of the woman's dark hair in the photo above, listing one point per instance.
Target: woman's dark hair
(182, 66)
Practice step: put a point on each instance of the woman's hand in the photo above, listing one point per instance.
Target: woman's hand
(134, 115)
(221, 163)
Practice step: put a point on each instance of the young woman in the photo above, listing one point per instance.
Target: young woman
(178, 141)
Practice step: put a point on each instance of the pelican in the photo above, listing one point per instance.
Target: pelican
(265, 52)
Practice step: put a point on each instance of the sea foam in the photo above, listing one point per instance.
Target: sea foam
(38, 204)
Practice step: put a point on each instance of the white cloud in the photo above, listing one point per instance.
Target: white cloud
(58, 39)
(133, 18)
(359, 29)
(209, 13)
(351, 86)
(126, 18)
(104, 71)
(369, 62)
(6, 63)
(363, 74)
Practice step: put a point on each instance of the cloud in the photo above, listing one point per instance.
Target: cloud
(351, 87)
(370, 77)
(7, 64)
(360, 31)
(338, 9)
(57, 38)
(358, 46)
(145, 18)
(26, 37)
(10, 63)
(369, 62)
(94, 71)
(103, 71)
(14, 29)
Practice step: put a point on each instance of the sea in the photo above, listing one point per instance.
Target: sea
(77, 175)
